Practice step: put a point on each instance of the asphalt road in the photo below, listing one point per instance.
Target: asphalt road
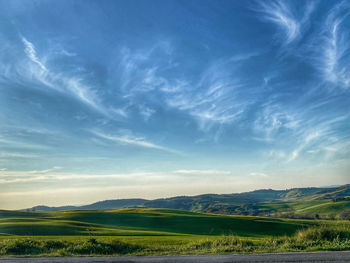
(314, 257)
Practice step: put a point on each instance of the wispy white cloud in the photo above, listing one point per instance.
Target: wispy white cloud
(308, 138)
(136, 72)
(22, 180)
(202, 172)
(11, 142)
(129, 139)
(258, 174)
(146, 112)
(216, 97)
(45, 171)
(5, 155)
(278, 124)
(334, 46)
(31, 53)
(118, 111)
(23, 129)
(54, 176)
(286, 17)
(277, 155)
(63, 82)
(338, 149)
(274, 117)
(280, 14)
(319, 134)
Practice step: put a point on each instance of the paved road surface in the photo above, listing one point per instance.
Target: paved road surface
(339, 257)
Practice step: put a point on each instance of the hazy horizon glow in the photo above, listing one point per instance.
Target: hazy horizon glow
(121, 99)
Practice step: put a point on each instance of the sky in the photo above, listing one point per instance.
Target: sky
(122, 99)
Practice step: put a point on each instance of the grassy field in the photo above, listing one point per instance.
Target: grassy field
(323, 208)
(161, 231)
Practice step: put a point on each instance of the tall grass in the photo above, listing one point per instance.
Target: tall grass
(55, 247)
(324, 237)
(311, 239)
(325, 233)
(222, 244)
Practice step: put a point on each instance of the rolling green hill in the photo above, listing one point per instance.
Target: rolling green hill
(141, 222)
(140, 231)
(326, 209)
(302, 202)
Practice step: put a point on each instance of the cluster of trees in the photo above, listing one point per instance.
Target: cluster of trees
(293, 215)
(253, 210)
(338, 199)
(246, 209)
(345, 215)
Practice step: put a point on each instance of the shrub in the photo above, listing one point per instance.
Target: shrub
(54, 244)
(120, 247)
(222, 244)
(88, 247)
(345, 215)
(92, 246)
(22, 247)
(92, 241)
(323, 233)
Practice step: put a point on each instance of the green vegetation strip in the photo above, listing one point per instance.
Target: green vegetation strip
(140, 222)
(312, 239)
(162, 232)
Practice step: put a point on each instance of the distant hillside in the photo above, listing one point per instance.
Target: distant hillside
(101, 205)
(258, 202)
(115, 204)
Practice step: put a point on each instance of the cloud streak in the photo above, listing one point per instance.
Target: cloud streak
(31, 53)
(216, 97)
(335, 47)
(285, 17)
(279, 13)
(52, 176)
(129, 139)
(202, 172)
(62, 82)
(6, 155)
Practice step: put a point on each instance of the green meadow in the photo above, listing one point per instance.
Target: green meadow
(161, 231)
(324, 208)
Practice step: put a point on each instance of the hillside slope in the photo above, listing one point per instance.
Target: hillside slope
(271, 201)
(142, 222)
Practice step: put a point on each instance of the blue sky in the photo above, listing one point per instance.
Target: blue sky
(119, 99)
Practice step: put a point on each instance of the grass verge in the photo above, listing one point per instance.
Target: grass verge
(336, 237)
